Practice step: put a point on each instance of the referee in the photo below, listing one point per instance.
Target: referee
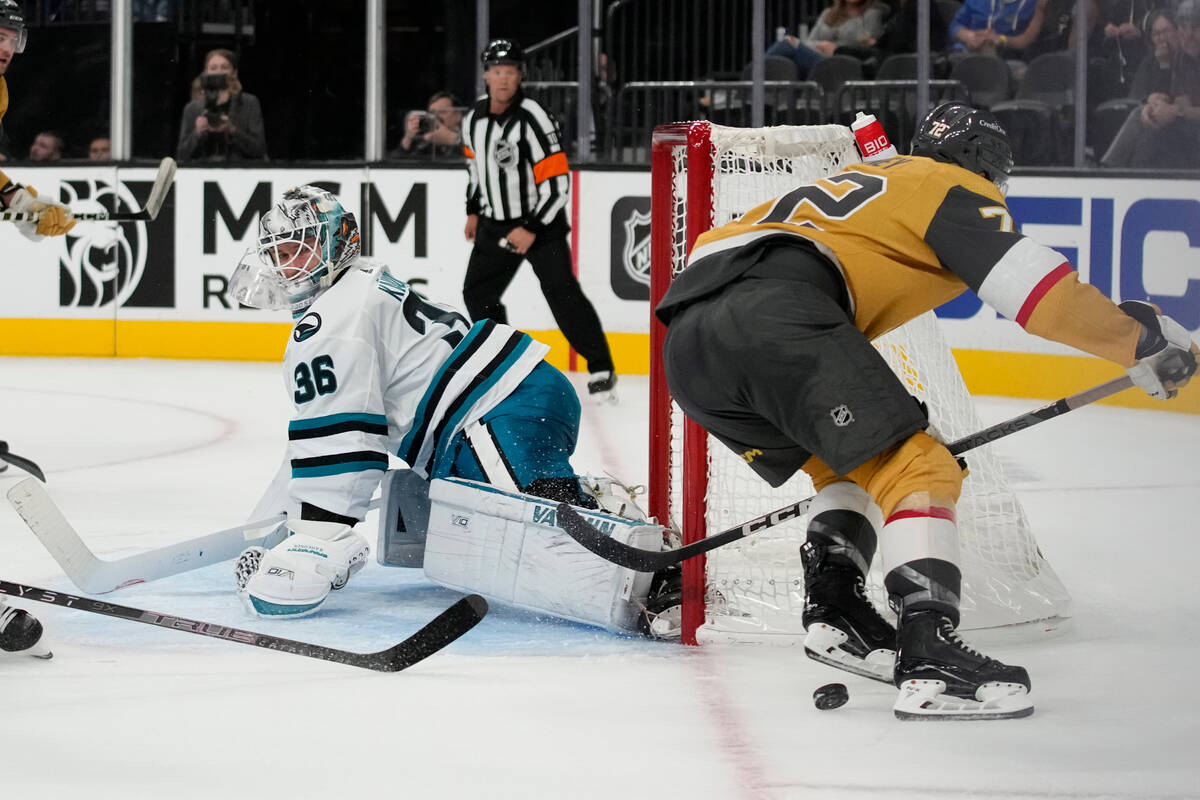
(516, 211)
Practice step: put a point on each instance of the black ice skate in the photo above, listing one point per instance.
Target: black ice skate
(843, 628)
(20, 632)
(940, 677)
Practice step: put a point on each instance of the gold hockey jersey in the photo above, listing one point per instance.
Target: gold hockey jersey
(908, 234)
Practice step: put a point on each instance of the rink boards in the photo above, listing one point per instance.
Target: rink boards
(159, 289)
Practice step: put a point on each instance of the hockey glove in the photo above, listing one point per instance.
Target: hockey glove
(55, 219)
(1166, 353)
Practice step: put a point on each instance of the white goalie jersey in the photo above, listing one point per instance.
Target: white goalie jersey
(375, 368)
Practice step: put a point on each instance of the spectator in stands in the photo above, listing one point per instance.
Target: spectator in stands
(435, 132)
(227, 123)
(1164, 132)
(47, 146)
(100, 149)
(1000, 27)
(854, 24)
(1153, 74)
(1059, 31)
(1122, 46)
(900, 36)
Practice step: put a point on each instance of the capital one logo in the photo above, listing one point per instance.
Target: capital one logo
(102, 263)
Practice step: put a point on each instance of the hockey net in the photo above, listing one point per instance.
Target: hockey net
(705, 175)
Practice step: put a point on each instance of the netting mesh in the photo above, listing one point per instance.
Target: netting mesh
(754, 588)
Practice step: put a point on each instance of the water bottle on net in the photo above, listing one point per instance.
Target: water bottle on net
(873, 144)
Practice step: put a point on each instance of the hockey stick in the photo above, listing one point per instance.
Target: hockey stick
(158, 194)
(441, 631)
(23, 463)
(95, 575)
(652, 561)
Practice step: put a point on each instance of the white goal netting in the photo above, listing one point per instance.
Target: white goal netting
(754, 589)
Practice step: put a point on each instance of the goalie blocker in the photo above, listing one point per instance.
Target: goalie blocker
(507, 546)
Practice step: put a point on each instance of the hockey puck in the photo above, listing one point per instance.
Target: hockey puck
(830, 696)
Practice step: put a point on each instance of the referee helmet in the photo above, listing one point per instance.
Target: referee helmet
(503, 51)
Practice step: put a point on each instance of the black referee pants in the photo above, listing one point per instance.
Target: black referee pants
(491, 269)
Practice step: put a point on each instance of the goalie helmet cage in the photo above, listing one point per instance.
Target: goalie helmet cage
(704, 175)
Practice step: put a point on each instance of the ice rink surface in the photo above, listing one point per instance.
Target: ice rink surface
(143, 453)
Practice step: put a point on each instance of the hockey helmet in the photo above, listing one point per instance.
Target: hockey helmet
(503, 51)
(970, 137)
(11, 19)
(304, 242)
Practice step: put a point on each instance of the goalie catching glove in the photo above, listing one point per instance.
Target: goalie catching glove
(55, 219)
(294, 577)
(1166, 353)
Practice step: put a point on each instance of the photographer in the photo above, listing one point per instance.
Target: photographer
(434, 133)
(225, 124)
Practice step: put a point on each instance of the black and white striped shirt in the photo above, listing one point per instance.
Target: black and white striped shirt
(517, 169)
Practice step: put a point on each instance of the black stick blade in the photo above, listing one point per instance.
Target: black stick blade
(608, 548)
(439, 632)
(22, 463)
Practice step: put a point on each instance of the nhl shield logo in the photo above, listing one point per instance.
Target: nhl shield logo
(635, 255)
(629, 248)
(842, 415)
(506, 154)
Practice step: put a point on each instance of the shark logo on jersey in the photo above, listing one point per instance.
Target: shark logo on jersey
(506, 154)
(308, 325)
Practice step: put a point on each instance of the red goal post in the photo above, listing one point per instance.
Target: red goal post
(704, 175)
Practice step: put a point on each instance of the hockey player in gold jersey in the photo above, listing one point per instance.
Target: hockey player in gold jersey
(768, 347)
(20, 631)
(55, 219)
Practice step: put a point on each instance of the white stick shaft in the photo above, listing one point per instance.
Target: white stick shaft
(94, 575)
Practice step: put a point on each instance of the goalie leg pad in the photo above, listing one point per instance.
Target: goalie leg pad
(506, 546)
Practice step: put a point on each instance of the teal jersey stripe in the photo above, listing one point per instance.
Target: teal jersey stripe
(337, 469)
(333, 419)
(422, 407)
(451, 428)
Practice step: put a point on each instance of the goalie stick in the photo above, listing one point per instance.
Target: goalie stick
(95, 575)
(23, 463)
(641, 560)
(436, 634)
(158, 194)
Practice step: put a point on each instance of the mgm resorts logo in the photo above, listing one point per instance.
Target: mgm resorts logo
(102, 263)
(629, 273)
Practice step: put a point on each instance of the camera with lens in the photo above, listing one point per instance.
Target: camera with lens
(426, 122)
(213, 83)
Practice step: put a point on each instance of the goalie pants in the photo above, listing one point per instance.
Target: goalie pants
(776, 370)
(491, 269)
(525, 441)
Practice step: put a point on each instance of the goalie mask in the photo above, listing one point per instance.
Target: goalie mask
(970, 137)
(305, 241)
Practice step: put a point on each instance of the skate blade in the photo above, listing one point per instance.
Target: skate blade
(925, 700)
(824, 643)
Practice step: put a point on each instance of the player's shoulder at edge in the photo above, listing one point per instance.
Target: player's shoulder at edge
(933, 174)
